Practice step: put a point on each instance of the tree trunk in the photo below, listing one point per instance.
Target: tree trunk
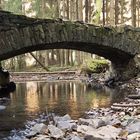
(86, 10)
(39, 62)
(77, 10)
(122, 9)
(112, 12)
(64, 9)
(116, 12)
(72, 10)
(138, 13)
(90, 11)
(103, 11)
(98, 11)
(107, 18)
(133, 7)
(80, 10)
(66, 57)
(68, 12)
(0, 4)
(43, 8)
(57, 9)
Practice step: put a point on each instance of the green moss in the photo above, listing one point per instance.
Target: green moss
(95, 66)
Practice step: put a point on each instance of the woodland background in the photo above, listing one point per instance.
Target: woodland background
(99, 12)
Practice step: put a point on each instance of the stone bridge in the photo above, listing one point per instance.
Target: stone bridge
(20, 34)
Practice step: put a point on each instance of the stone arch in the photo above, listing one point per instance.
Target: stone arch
(20, 34)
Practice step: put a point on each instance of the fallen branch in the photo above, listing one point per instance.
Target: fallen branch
(39, 61)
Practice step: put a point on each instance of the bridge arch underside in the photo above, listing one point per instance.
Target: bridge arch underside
(116, 56)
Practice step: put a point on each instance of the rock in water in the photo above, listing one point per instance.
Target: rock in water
(2, 107)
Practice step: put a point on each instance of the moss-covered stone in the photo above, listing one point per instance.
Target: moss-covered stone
(95, 66)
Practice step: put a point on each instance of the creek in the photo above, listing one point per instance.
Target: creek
(60, 97)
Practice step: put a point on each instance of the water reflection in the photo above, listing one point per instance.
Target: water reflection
(73, 98)
(61, 97)
(32, 100)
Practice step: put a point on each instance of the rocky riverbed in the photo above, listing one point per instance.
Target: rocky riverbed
(98, 124)
(121, 121)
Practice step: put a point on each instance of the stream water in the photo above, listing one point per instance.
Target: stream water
(66, 97)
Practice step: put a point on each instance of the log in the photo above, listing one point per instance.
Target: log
(126, 105)
(134, 96)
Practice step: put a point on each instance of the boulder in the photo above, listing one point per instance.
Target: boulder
(37, 128)
(103, 133)
(111, 120)
(85, 129)
(134, 136)
(42, 137)
(96, 123)
(55, 132)
(66, 125)
(133, 127)
(73, 137)
(64, 118)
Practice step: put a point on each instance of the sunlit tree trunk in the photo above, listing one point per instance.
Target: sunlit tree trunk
(107, 17)
(64, 9)
(90, 11)
(62, 57)
(66, 57)
(80, 10)
(57, 9)
(72, 9)
(98, 11)
(138, 8)
(43, 8)
(47, 58)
